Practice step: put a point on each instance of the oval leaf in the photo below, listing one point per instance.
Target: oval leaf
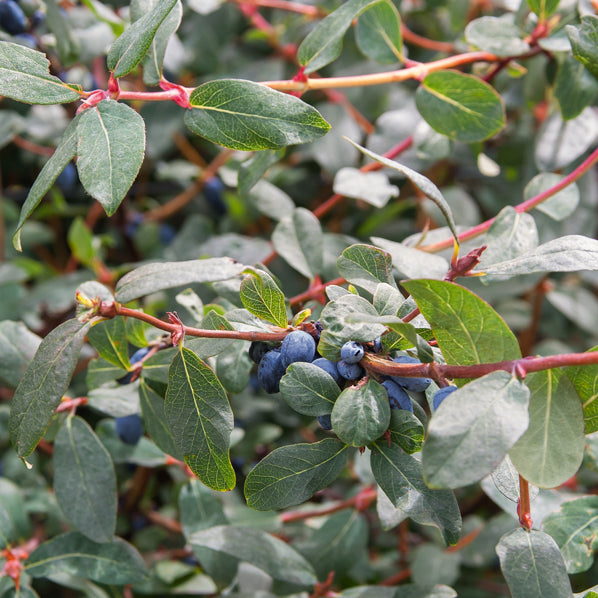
(110, 151)
(292, 474)
(460, 106)
(247, 116)
(262, 297)
(366, 266)
(379, 33)
(308, 389)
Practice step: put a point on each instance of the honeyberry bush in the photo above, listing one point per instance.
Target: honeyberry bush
(187, 185)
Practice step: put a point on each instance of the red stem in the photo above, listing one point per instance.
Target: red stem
(314, 291)
(304, 9)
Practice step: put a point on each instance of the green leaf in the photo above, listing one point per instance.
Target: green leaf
(585, 381)
(379, 33)
(44, 383)
(252, 170)
(361, 413)
(543, 8)
(467, 329)
(200, 419)
(406, 431)
(80, 240)
(271, 555)
(349, 317)
(15, 526)
(150, 278)
(113, 563)
(399, 475)
(298, 240)
(64, 153)
(575, 88)
(574, 527)
(208, 347)
(109, 339)
(570, 253)
(308, 389)
(129, 49)
(498, 35)
(562, 204)
(67, 44)
(154, 420)
(262, 297)
(324, 43)
(460, 106)
(533, 565)
(17, 348)
(24, 77)
(292, 474)
(371, 187)
(152, 61)
(551, 450)
(233, 367)
(84, 480)
(366, 267)
(473, 429)
(387, 299)
(111, 147)
(424, 184)
(584, 42)
(247, 116)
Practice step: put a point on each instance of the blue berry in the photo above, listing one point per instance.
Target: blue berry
(325, 421)
(12, 17)
(134, 219)
(349, 371)
(129, 428)
(352, 352)
(167, 234)
(397, 397)
(414, 384)
(270, 371)
(67, 179)
(441, 394)
(297, 346)
(139, 355)
(378, 345)
(212, 190)
(258, 349)
(329, 367)
(26, 39)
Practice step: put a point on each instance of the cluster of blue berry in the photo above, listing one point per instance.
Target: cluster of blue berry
(17, 18)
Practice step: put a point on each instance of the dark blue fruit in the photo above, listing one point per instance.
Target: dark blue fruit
(134, 219)
(297, 346)
(270, 371)
(212, 190)
(414, 384)
(352, 352)
(329, 367)
(26, 39)
(12, 17)
(377, 345)
(258, 349)
(397, 397)
(167, 234)
(349, 371)
(137, 356)
(129, 428)
(441, 394)
(325, 421)
(67, 179)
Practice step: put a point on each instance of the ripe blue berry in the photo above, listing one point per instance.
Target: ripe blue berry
(297, 346)
(129, 428)
(258, 349)
(270, 371)
(167, 234)
(441, 394)
(12, 17)
(67, 179)
(349, 371)
(377, 345)
(212, 190)
(414, 384)
(329, 367)
(139, 355)
(352, 352)
(325, 421)
(397, 397)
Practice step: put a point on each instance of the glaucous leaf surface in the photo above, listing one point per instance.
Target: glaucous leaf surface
(406, 431)
(378, 33)
(585, 381)
(498, 35)
(575, 88)
(17, 348)
(562, 204)
(109, 339)
(308, 389)
(366, 267)
(262, 297)
(14, 521)
(584, 42)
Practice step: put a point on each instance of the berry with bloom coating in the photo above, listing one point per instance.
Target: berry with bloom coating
(414, 384)
(397, 397)
(352, 352)
(258, 349)
(297, 346)
(129, 428)
(12, 17)
(349, 371)
(441, 394)
(325, 421)
(329, 367)
(270, 371)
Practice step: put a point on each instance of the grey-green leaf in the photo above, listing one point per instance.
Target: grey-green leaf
(308, 389)
(64, 153)
(44, 383)
(271, 555)
(109, 339)
(498, 35)
(473, 429)
(562, 204)
(111, 147)
(84, 480)
(200, 419)
(584, 42)
(291, 474)
(533, 565)
(150, 278)
(399, 475)
(17, 348)
(379, 33)
(247, 116)
(129, 49)
(366, 266)
(574, 527)
(298, 240)
(116, 562)
(24, 77)
(262, 297)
